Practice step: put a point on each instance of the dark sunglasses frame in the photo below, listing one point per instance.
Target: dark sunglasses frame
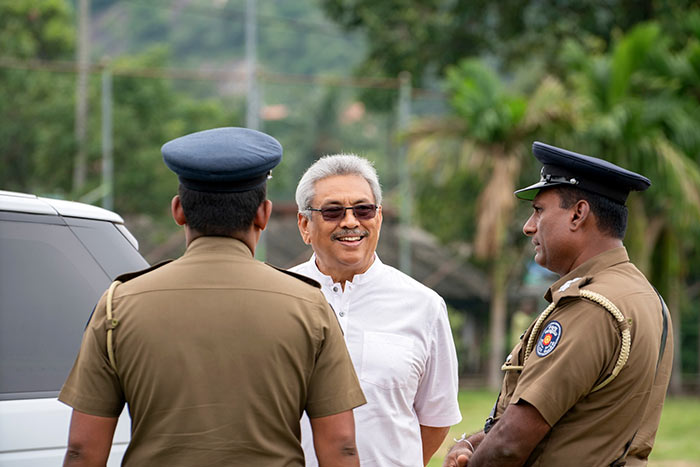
(362, 212)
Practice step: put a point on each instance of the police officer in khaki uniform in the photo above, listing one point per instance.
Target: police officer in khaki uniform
(216, 354)
(586, 384)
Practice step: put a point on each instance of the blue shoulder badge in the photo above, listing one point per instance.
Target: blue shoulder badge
(549, 338)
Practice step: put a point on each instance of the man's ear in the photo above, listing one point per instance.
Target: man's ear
(262, 215)
(303, 223)
(177, 211)
(580, 212)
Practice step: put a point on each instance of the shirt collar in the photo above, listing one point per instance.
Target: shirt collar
(213, 244)
(570, 284)
(366, 276)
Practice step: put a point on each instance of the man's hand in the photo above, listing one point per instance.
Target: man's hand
(458, 456)
(462, 451)
(511, 441)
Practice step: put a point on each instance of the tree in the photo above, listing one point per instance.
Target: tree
(36, 113)
(34, 137)
(636, 107)
(425, 37)
(485, 143)
(293, 37)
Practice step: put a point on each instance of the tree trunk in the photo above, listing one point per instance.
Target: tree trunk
(497, 322)
(672, 270)
(674, 303)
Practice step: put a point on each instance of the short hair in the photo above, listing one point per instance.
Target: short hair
(223, 214)
(328, 166)
(611, 217)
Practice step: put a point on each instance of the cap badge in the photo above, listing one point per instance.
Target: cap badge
(548, 339)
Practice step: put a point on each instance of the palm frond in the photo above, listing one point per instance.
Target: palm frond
(681, 183)
(547, 104)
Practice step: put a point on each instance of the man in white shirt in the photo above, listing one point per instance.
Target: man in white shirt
(396, 329)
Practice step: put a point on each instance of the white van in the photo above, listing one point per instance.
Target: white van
(56, 259)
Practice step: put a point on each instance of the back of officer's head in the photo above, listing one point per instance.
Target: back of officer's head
(222, 214)
(223, 176)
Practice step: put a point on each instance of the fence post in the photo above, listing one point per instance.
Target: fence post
(107, 131)
(406, 198)
(251, 52)
(81, 97)
(252, 114)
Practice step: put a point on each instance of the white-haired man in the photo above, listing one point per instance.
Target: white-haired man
(396, 329)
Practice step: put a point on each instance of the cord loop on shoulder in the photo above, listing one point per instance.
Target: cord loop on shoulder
(112, 323)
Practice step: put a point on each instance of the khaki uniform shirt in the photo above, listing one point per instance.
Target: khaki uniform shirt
(218, 355)
(577, 347)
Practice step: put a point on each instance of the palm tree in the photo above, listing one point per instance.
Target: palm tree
(487, 137)
(635, 107)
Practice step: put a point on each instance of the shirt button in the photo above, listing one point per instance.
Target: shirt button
(342, 313)
(335, 288)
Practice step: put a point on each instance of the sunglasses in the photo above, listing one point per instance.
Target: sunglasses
(362, 212)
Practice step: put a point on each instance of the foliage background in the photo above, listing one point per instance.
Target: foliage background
(616, 79)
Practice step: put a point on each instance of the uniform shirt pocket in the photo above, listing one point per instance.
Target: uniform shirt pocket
(386, 359)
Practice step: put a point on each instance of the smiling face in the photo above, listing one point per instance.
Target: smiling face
(548, 226)
(344, 247)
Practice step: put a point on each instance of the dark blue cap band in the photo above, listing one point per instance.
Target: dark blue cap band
(225, 186)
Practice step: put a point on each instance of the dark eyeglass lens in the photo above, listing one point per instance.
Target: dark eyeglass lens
(332, 214)
(361, 211)
(364, 211)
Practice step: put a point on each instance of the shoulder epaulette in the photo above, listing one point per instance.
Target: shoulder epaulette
(127, 276)
(301, 277)
(606, 304)
(113, 322)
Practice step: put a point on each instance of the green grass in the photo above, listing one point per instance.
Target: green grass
(677, 442)
(678, 437)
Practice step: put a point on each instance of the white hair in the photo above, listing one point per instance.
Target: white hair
(328, 166)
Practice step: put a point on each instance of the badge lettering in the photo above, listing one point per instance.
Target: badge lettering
(549, 338)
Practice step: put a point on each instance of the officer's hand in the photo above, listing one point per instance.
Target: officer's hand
(458, 456)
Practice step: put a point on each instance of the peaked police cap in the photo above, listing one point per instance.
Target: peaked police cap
(568, 168)
(223, 159)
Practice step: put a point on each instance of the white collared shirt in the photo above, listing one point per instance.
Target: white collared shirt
(399, 339)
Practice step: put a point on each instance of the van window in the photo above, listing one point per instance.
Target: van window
(108, 245)
(49, 284)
